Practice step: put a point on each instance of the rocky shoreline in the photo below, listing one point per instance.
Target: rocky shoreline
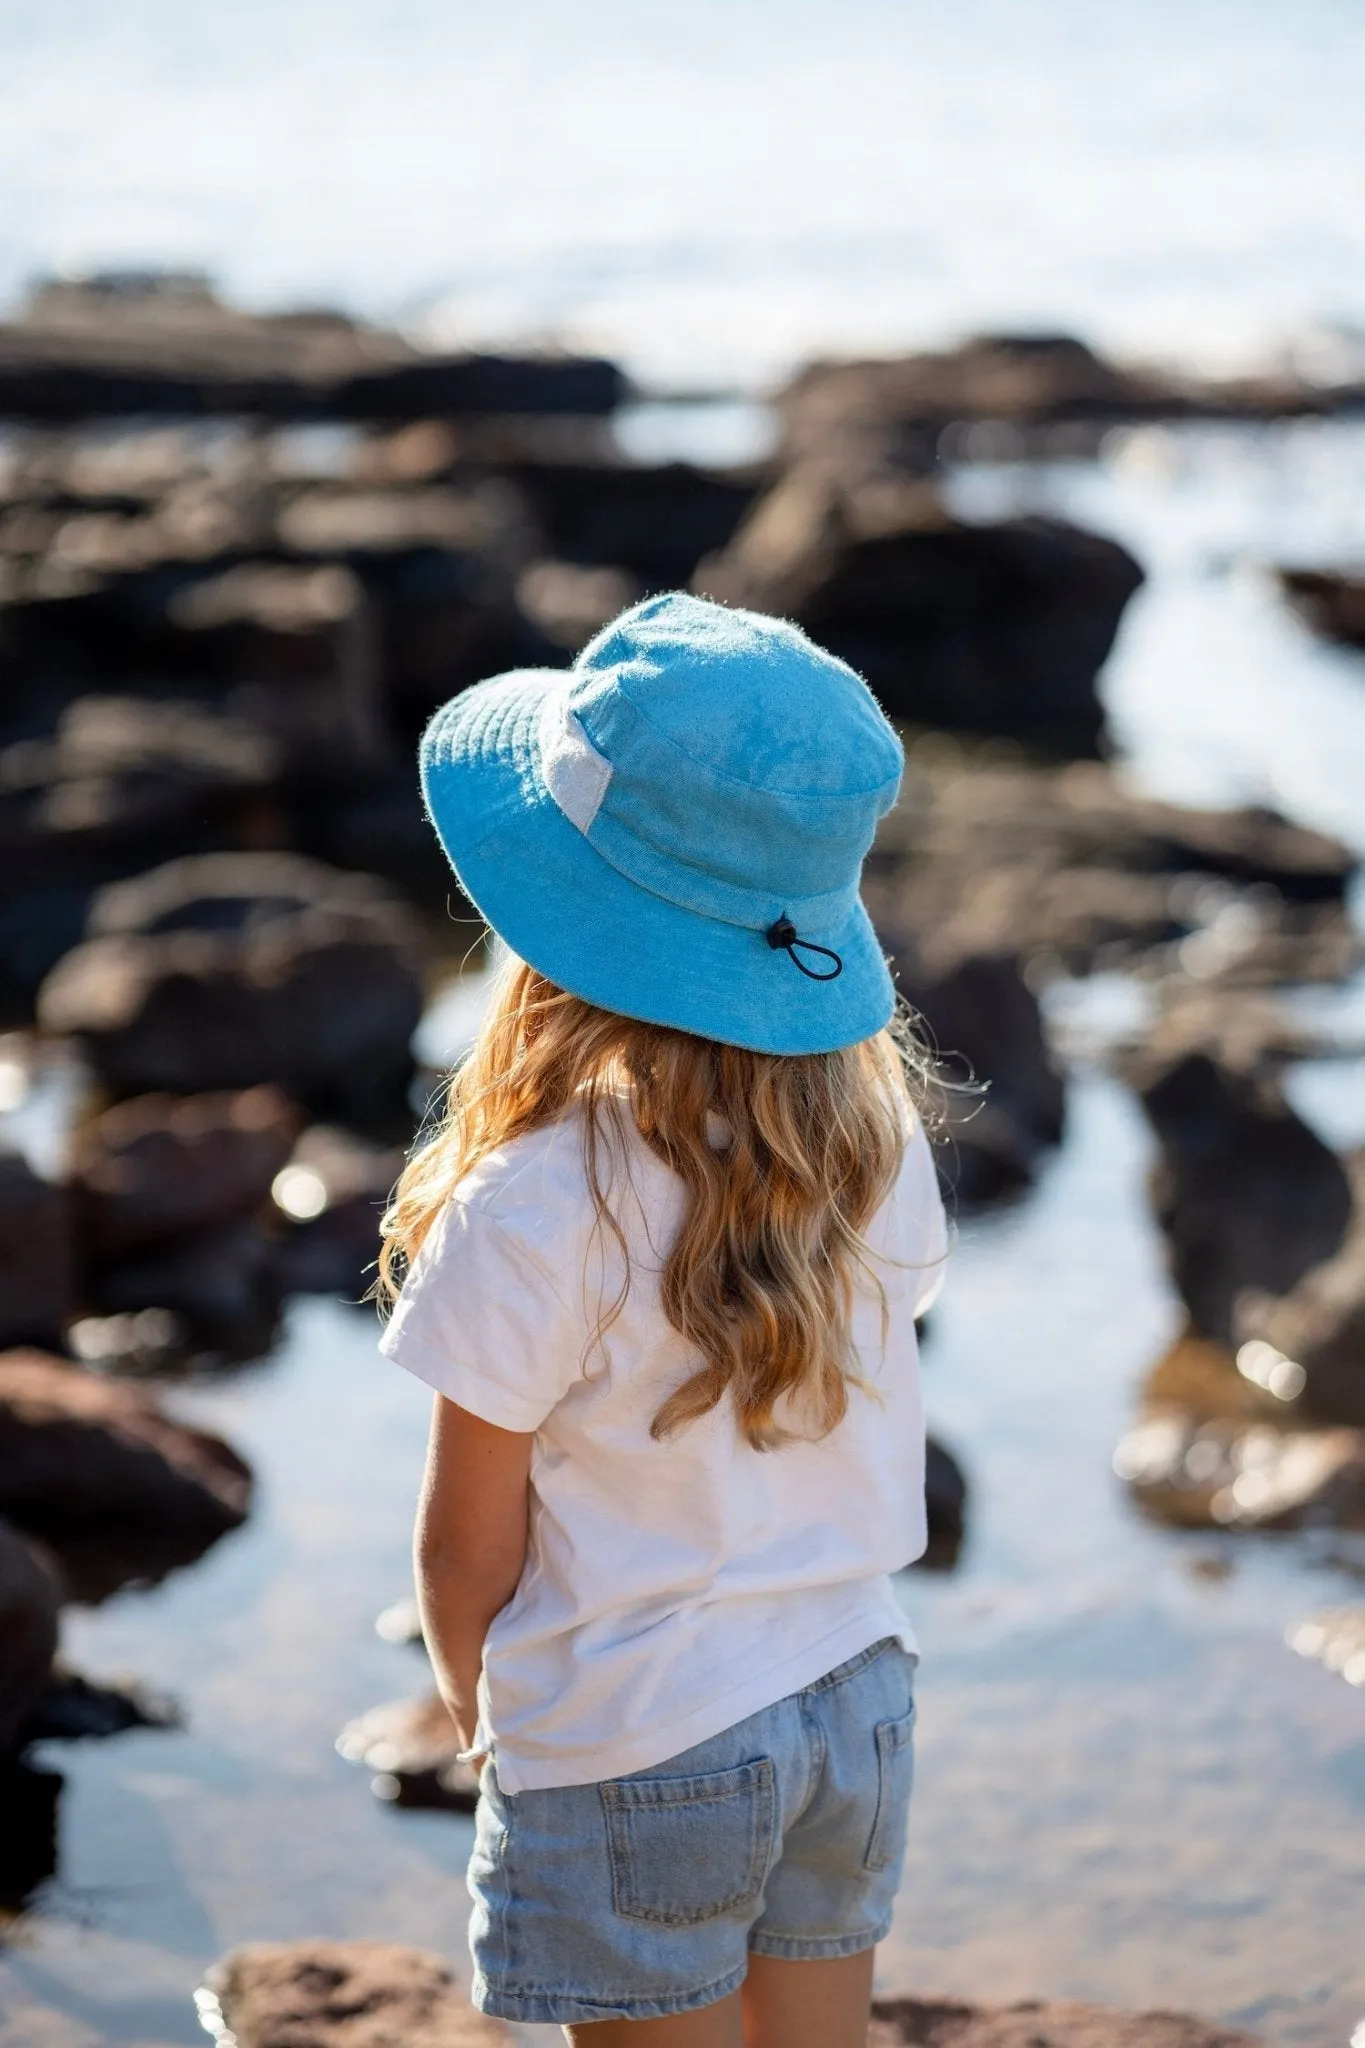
(221, 915)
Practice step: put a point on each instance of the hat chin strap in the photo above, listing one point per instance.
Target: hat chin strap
(782, 938)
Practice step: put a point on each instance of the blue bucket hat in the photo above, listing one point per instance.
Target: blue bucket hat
(674, 828)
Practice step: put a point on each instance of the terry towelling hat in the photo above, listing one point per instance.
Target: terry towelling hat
(675, 827)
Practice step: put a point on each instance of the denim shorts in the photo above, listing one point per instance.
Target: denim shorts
(643, 1896)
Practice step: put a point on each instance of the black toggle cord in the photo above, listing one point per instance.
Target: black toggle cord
(782, 938)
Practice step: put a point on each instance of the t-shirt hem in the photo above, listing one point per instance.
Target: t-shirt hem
(873, 1620)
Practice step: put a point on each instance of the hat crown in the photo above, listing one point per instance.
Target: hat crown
(739, 695)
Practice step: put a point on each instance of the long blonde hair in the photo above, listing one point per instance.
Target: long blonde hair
(760, 1278)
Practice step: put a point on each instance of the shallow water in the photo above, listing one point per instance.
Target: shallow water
(1130, 1788)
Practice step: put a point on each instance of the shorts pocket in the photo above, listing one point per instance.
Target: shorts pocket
(684, 1850)
(895, 1776)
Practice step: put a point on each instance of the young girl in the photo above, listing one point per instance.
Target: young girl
(663, 1262)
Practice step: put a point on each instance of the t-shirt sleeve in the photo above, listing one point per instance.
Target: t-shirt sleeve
(480, 1320)
(924, 1203)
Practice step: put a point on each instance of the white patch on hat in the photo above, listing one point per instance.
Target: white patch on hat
(576, 775)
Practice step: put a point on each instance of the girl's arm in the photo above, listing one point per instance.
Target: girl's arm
(469, 1546)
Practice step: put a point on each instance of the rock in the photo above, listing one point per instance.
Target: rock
(341, 1994)
(162, 1168)
(945, 1493)
(1195, 1475)
(223, 1289)
(37, 1255)
(1032, 381)
(984, 629)
(412, 1748)
(76, 1709)
(85, 1457)
(30, 1594)
(229, 970)
(1336, 1639)
(1318, 1324)
(985, 1027)
(569, 604)
(1247, 1197)
(28, 1840)
(1332, 604)
(987, 856)
(1035, 2023)
(652, 523)
(132, 348)
(334, 1190)
(292, 652)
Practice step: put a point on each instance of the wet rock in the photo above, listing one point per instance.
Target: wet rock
(229, 970)
(413, 1750)
(989, 856)
(1336, 1639)
(130, 347)
(569, 604)
(162, 1168)
(945, 1495)
(85, 1457)
(1333, 605)
(983, 629)
(28, 1840)
(334, 1189)
(223, 1290)
(77, 1709)
(1247, 1197)
(984, 1024)
(652, 523)
(37, 1254)
(30, 1593)
(340, 1994)
(1036, 2023)
(1199, 1475)
(292, 652)
(1318, 1325)
(1027, 384)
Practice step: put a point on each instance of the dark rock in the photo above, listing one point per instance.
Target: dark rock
(654, 523)
(82, 352)
(1031, 381)
(223, 1289)
(334, 1189)
(76, 1709)
(1247, 1197)
(85, 1456)
(37, 1255)
(344, 1994)
(985, 1028)
(30, 1594)
(1036, 2023)
(163, 1168)
(1332, 604)
(945, 1493)
(28, 1840)
(982, 857)
(413, 1750)
(984, 629)
(229, 970)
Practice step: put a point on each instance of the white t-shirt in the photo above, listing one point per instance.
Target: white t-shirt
(673, 1588)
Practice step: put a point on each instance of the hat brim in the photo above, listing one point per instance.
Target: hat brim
(589, 929)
